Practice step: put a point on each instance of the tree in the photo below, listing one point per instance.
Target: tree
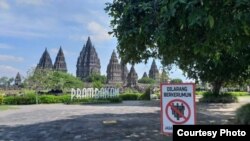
(164, 76)
(146, 80)
(208, 40)
(96, 77)
(176, 80)
(5, 81)
(47, 79)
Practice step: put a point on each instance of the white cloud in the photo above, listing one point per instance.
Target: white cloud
(8, 71)
(5, 46)
(10, 58)
(25, 26)
(31, 2)
(4, 5)
(98, 32)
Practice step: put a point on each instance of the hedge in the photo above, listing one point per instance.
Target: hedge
(47, 99)
(130, 96)
(1, 99)
(221, 98)
(243, 114)
(232, 93)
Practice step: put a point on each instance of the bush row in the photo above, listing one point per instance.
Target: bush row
(231, 93)
(1, 99)
(243, 114)
(221, 98)
(48, 99)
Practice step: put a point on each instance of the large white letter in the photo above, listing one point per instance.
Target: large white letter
(73, 93)
(178, 132)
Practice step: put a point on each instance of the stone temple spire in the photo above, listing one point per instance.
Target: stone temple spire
(144, 75)
(60, 64)
(124, 71)
(132, 77)
(154, 72)
(114, 70)
(45, 61)
(88, 61)
(18, 79)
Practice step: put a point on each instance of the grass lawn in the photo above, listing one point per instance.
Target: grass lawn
(6, 107)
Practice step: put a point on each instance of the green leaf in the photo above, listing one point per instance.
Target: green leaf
(211, 21)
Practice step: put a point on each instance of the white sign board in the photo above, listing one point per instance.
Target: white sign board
(177, 106)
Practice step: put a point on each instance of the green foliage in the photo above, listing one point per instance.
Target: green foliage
(239, 93)
(46, 79)
(130, 96)
(5, 81)
(243, 114)
(115, 100)
(96, 77)
(129, 90)
(177, 80)
(200, 92)
(20, 100)
(1, 98)
(198, 36)
(231, 93)
(218, 98)
(164, 76)
(146, 80)
(49, 99)
(97, 84)
(26, 91)
(145, 95)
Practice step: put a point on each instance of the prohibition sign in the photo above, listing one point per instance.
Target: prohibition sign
(170, 106)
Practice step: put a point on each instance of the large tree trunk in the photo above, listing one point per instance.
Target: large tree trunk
(216, 87)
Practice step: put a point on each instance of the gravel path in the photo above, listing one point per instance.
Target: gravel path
(128, 121)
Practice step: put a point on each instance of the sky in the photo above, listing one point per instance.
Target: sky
(27, 27)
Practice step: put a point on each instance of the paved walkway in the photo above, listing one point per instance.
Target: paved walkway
(128, 121)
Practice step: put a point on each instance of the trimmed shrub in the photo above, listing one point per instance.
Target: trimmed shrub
(1, 99)
(115, 100)
(49, 99)
(243, 114)
(146, 80)
(221, 98)
(20, 100)
(129, 96)
(145, 95)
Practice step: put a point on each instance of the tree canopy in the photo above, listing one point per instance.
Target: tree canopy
(47, 80)
(208, 40)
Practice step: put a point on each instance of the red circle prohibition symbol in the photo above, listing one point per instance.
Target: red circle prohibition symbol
(169, 106)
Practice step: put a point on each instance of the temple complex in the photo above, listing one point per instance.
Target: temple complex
(114, 72)
(132, 77)
(88, 61)
(45, 61)
(60, 63)
(154, 72)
